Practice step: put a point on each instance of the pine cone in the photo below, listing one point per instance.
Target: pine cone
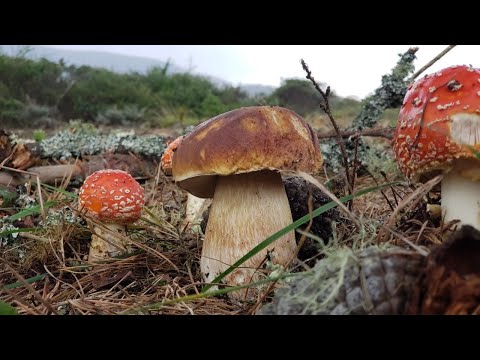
(370, 281)
(298, 191)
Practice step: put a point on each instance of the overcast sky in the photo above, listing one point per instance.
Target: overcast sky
(348, 69)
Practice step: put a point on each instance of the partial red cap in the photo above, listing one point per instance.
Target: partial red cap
(166, 160)
(439, 121)
(112, 196)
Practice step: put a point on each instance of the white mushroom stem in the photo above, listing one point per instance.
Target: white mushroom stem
(247, 208)
(192, 210)
(105, 244)
(461, 194)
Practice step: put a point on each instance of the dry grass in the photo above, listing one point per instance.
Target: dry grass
(165, 263)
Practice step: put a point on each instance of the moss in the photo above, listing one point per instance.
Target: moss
(375, 280)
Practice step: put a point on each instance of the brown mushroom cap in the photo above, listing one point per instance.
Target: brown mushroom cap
(245, 140)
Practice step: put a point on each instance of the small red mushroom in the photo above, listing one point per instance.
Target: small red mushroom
(166, 160)
(115, 199)
(438, 130)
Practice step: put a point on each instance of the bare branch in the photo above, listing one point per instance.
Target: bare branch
(433, 61)
(326, 108)
(386, 133)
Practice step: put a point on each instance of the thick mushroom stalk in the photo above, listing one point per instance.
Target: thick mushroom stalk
(247, 208)
(112, 199)
(438, 130)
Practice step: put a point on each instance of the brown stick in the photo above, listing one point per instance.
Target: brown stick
(386, 133)
(46, 174)
(52, 173)
(433, 61)
(8, 179)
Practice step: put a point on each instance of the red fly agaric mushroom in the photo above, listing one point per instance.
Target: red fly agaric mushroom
(194, 204)
(438, 130)
(236, 158)
(113, 198)
(166, 160)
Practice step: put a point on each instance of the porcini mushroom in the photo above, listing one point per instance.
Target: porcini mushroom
(113, 198)
(236, 158)
(194, 204)
(438, 130)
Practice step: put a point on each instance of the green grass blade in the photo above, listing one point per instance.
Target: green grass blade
(210, 293)
(7, 195)
(33, 210)
(7, 309)
(69, 194)
(13, 231)
(268, 241)
(30, 281)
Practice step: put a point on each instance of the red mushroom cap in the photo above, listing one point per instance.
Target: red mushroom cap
(112, 196)
(166, 160)
(439, 121)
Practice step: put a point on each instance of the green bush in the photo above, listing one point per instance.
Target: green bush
(129, 115)
(43, 93)
(39, 135)
(10, 110)
(298, 95)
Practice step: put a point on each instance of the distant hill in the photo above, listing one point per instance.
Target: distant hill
(121, 64)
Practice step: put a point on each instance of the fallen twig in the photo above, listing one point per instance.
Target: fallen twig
(386, 133)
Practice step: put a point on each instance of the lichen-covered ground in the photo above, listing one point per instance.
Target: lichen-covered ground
(43, 270)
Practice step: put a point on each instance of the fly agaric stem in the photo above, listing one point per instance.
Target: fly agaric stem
(461, 195)
(106, 245)
(192, 210)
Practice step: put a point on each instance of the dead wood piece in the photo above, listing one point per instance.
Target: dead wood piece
(22, 157)
(55, 173)
(134, 165)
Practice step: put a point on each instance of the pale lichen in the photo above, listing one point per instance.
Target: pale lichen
(67, 144)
